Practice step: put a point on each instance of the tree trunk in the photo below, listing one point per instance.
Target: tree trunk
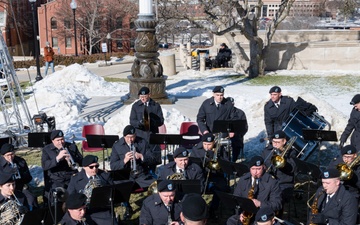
(256, 66)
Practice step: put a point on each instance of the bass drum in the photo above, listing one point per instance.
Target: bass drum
(294, 127)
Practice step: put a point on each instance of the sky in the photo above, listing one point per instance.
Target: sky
(65, 93)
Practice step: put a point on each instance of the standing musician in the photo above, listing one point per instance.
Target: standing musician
(86, 180)
(76, 211)
(216, 180)
(194, 210)
(259, 186)
(182, 167)
(265, 216)
(281, 164)
(351, 183)
(16, 165)
(59, 161)
(13, 203)
(333, 204)
(146, 114)
(277, 110)
(162, 207)
(353, 125)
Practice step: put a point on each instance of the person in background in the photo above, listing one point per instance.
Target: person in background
(49, 58)
(353, 125)
(194, 210)
(223, 56)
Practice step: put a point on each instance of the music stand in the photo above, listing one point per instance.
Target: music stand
(165, 139)
(237, 202)
(197, 161)
(40, 139)
(319, 135)
(35, 217)
(101, 141)
(4, 140)
(123, 174)
(187, 186)
(237, 169)
(109, 196)
(226, 126)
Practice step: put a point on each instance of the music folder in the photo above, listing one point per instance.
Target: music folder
(233, 201)
(225, 126)
(39, 139)
(123, 174)
(187, 186)
(101, 141)
(319, 135)
(231, 167)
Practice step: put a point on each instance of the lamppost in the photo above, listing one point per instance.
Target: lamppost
(108, 37)
(36, 47)
(73, 6)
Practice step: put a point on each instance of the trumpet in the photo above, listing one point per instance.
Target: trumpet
(72, 164)
(134, 170)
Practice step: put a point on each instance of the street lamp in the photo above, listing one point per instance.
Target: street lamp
(36, 47)
(73, 6)
(108, 37)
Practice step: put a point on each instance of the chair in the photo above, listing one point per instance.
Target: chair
(95, 129)
(191, 132)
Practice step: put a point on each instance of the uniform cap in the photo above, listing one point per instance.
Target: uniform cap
(6, 148)
(144, 91)
(223, 44)
(129, 130)
(275, 89)
(6, 178)
(330, 173)
(256, 161)
(181, 152)
(75, 200)
(88, 160)
(194, 207)
(264, 214)
(218, 89)
(56, 133)
(279, 134)
(355, 99)
(348, 149)
(165, 185)
(208, 137)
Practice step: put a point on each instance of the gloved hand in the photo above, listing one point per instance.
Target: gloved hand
(341, 145)
(141, 124)
(318, 219)
(23, 209)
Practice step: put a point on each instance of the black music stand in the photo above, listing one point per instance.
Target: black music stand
(237, 169)
(4, 141)
(165, 139)
(109, 196)
(197, 161)
(237, 202)
(319, 135)
(123, 174)
(36, 140)
(101, 141)
(35, 217)
(226, 126)
(187, 186)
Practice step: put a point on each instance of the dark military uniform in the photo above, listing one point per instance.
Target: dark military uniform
(21, 198)
(267, 191)
(353, 125)
(237, 142)
(275, 117)
(120, 148)
(340, 209)
(155, 113)
(191, 172)
(59, 173)
(67, 220)
(154, 212)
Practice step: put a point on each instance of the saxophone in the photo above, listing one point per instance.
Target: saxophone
(314, 206)
(89, 187)
(10, 213)
(345, 170)
(247, 215)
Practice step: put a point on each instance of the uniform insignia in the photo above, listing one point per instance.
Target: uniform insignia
(208, 139)
(184, 153)
(169, 187)
(277, 90)
(349, 152)
(143, 93)
(276, 136)
(61, 134)
(221, 90)
(264, 218)
(258, 163)
(326, 174)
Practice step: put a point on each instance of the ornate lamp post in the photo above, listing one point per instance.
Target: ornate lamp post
(36, 43)
(108, 37)
(73, 6)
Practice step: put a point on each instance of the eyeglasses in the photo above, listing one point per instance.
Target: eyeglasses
(92, 167)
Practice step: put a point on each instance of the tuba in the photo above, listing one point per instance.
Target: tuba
(279, 161)
(345, 170)
(146, 118)
(247, 215)
(314, 206)
(89, 187)
(10, 213)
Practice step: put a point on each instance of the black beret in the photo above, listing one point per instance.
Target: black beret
(166, 185)
(89, 159)
(348, 149)
(194, 207)
(75, 200)
(6, 148)
(218, 89)
(264, 214)
(276, 89)
(208, 137)
(129, 130)
(56, 134)
(181, 152)
(6, 178)
(330, 173)
(144, 91)
(355, 99)
(279, 134)
(231, 99)
(223, 44)
(256, 161)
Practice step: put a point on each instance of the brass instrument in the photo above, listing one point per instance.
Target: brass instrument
(134, 170)
(214, 164)
(279, 161)
(152, 189)
(72, 164)
(89, 187)
(247, 215)
(146, 118)
(314, 206)
(345, 170)
(10, 213)
(169, 213)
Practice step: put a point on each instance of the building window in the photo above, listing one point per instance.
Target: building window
(53, 23)
(119, 22)
(119, 44)
(54, 42)
(68, 42)
(67, 24)
(132, 25)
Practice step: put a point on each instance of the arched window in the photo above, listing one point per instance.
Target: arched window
(53, 23)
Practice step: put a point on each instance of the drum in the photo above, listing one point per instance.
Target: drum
(294, 126)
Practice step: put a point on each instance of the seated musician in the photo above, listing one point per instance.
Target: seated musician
(76, 211)
(13, 203)
(59, 161)
(86, 180)
(194, 210)
(283, 172)
(332, 203)
(16, 165)
(265, 216)
(259, 186)
(162, 207)
(352, 183)
(216, 180)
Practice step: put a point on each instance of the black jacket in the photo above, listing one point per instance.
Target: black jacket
(353, 127)
(23, 169)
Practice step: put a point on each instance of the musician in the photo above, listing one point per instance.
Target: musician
(262, 186)
(163, 207)
(76, 211)
(237, 142)
(265, 216)
(333, 204)
(56, 161)
(182, 166)
(277, 110)
(353, 125)
(154, 112)
(86, 180)
(194, 210)
(348, 156)
(122, 157)
(286, 174)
